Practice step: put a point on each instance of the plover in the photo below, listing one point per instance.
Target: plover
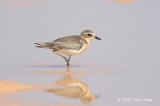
(70, 45)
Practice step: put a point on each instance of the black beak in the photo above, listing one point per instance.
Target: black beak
(97, 38)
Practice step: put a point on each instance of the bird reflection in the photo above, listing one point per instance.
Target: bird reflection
(73, 88)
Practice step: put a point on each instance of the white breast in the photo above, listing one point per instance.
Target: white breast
(74, 52)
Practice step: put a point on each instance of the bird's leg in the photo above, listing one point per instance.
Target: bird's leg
(67, 60)
(63, 57)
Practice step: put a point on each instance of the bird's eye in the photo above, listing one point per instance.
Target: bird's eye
(89, 35)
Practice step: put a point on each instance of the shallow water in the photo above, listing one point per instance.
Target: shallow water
(120, 70)
(46, 84)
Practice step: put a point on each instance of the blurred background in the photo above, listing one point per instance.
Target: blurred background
(124, 64)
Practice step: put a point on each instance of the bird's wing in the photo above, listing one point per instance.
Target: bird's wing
(69, 43)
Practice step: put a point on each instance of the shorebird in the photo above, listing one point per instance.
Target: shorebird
(70, 45)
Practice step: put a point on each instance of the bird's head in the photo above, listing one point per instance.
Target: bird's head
(89, 35)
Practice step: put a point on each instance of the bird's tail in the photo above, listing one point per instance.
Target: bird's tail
(49, 45)
(39, 45)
